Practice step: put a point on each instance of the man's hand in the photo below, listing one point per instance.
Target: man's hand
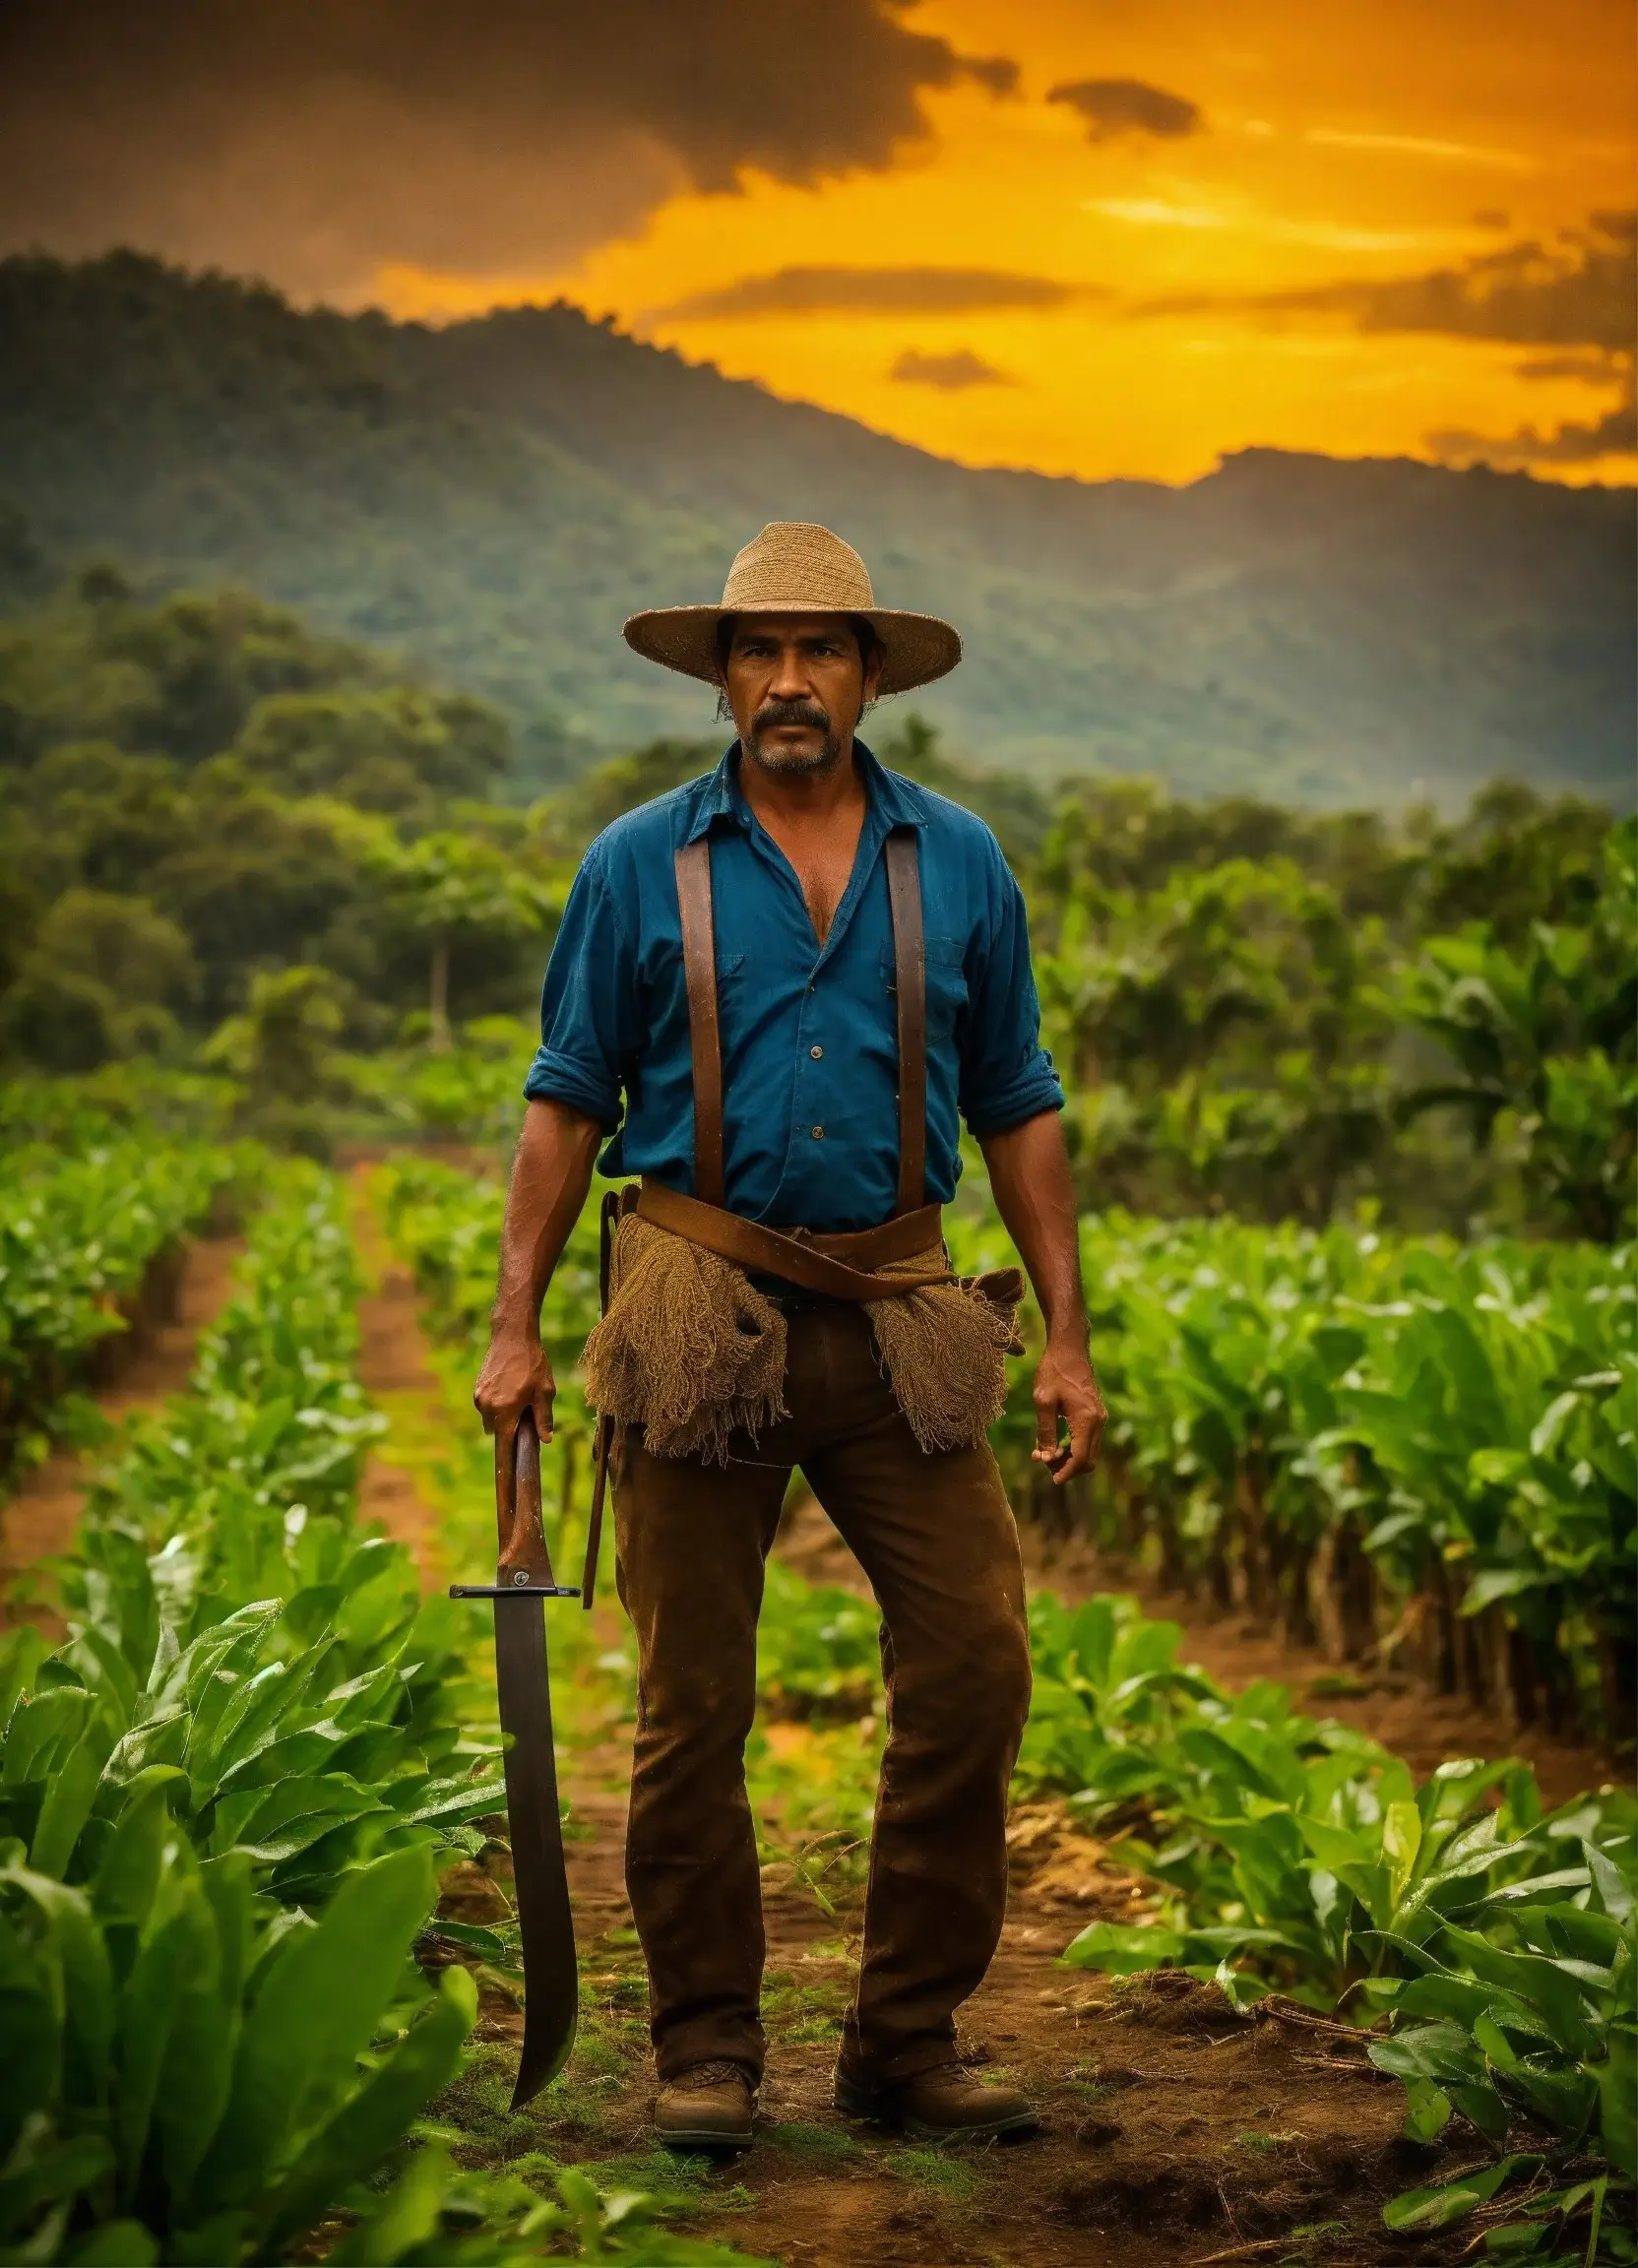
(1029, 1172)
(550, 1175)
(515, 1376)
(1066, 1394)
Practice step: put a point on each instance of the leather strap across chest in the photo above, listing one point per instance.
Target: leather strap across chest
(909, 984)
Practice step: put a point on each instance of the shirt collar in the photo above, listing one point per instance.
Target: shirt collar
(894, 802)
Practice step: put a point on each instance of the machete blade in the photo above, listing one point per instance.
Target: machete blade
(524, 1581)
(551, 1976)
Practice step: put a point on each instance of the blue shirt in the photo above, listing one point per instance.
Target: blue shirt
(808, 1031)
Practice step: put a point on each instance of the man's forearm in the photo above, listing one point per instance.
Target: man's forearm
(1029, 1178)
(551, 1174)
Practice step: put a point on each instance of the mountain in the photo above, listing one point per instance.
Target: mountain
(495, 496)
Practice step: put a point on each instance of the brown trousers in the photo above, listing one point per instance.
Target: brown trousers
(935, 1534)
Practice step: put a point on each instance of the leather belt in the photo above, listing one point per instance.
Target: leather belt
(838, 1267)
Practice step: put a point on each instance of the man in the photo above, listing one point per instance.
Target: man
(799, 972)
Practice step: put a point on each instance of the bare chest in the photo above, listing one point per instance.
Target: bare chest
(824, 876)
(822, 860)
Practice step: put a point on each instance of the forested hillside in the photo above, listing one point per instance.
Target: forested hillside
(231, 843)
(492, 498)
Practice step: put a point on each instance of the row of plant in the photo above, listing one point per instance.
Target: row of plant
(1396, 1447)
(224, 1805)
(1403, 1448)
(219, 1811)
(90, 1255)
(1485, 1948)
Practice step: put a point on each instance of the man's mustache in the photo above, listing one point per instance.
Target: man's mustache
(773, 713)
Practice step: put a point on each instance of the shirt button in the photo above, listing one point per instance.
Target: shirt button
(818, 1133)
(816, 1052)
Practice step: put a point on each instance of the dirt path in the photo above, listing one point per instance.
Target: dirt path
(399, 1378)
(40, 1520)
(1422, 1727)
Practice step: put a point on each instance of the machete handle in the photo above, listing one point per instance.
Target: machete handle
(524, 1561)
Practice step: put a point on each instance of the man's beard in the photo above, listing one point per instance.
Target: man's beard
(789, 762)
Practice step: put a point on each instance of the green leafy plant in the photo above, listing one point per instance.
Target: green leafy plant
(88, 1246)
(194, 2075)
(1386, 1445)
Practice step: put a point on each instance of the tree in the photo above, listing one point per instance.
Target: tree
(1541, 1036)
(283, 1047)
(1236, 1012)
(624, 782)
(385, 750)
(454, 889)
(104, 977)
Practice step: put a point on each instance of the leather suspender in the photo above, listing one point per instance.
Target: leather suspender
(699, 967)
(909, 984)
(909, 978)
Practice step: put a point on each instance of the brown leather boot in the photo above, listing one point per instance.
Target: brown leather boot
(708, 2107)
(944, 2104)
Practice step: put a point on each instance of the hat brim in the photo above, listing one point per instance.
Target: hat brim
(915, 648)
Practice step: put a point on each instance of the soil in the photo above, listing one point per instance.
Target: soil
(153, 1361)
(1173, 2130)
(397, 1374)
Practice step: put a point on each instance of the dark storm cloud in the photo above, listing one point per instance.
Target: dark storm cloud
(1576, 292)
(1115, 106)
(951, 373)
(878, 291)
(312, 139)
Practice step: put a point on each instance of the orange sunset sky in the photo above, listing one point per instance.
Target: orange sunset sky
(1100, 241)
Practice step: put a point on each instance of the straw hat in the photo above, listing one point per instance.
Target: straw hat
(794, 567)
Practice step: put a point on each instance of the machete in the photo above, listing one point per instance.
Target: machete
(523, 1580)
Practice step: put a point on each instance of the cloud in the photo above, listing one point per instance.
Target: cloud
(876, 292)
(1613, 434)
(1579, 292)
(1591, 369)
(1576, 298)
(1423, 145)
(314, 145)
(951, 373)
(1116, 106)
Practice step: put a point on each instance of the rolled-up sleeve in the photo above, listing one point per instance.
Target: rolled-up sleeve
(1006, 1075)
(589, 1009)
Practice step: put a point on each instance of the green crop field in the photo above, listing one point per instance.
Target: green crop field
(1352, 1104)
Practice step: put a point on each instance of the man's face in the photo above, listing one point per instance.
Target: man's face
(796, 686)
